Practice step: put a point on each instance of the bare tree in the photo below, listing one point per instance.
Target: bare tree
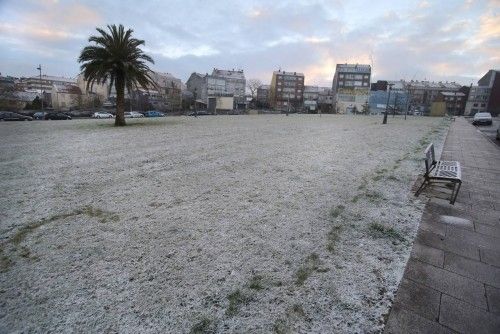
(252, 85)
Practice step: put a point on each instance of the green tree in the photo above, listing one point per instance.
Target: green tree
(115, 57)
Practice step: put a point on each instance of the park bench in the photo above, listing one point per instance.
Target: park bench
(441, 171)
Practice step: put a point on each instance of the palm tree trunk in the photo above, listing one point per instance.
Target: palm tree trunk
(120, 103)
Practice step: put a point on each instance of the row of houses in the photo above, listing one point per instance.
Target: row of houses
(225, 90)
(436, 98)
(353, 92)
(62, 93)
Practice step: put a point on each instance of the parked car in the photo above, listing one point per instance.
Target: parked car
(39, 115)
(199, 113)
(100, 114)
(57, 116)
(154, 113)
(12, 116)
(482, 118)
(498, 133)
(133, 114)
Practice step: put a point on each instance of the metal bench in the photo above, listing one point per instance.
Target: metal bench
(441, 171)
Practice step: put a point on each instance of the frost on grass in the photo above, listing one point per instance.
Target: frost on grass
(218, 224)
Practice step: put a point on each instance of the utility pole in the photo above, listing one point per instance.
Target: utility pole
(395, 105)
(387, 104)
(195, 110)
(407, 100)
(41, 92)
(288, 105)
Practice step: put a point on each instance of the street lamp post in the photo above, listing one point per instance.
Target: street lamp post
(195, 110)
(41, 93)
(387, 104)
(395, 105)
(288, 105)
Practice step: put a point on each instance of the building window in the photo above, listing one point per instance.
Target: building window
(341, 76)
(483, 104)
(475, 104)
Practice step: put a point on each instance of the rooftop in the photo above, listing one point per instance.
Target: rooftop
(289, 73)
(69, 89)
(52, 78)
(353, 68)
(432, 84)
(234, 74)
(453, 93)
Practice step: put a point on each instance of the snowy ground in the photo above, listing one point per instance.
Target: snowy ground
(230, 224)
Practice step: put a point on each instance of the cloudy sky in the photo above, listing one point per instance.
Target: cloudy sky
(438, 40)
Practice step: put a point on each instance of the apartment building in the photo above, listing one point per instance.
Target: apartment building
(351, 87)
(311, 96)
(485, 97)
(167, 93)
(65, 96)
(325, 99)
(454, 102)
(46, 82)
(263, 96)
(211, 92)
(286, 91)
(235, 84)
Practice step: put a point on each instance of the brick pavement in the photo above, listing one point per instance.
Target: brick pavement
(452, 280)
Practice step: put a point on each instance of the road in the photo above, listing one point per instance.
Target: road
(490, 130)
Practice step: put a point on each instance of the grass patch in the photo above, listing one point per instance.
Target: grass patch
(298, 310)
(293, 314)
(373, 196)
(348, 307)
(256, 283)
(5, 261)
(378, 230)
(236, 299)
(203, 326)
(356, 198)
(333, 237)
(310, 265)
(281, 327)
(337, 211)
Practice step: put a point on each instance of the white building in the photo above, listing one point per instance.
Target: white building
(351, 87)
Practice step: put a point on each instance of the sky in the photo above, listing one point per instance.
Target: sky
(442, 40)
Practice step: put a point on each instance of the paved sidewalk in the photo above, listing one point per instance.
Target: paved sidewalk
(452, 280)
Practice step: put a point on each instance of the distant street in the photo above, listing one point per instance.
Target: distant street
(490, 130)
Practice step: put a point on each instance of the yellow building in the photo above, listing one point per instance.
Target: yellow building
(438, 108)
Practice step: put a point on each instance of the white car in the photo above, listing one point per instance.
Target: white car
(482, 118)
(133, 114)
(102, 115)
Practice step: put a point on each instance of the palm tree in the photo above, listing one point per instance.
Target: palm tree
(116, 58)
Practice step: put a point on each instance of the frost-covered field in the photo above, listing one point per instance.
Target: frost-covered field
(230, 224)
